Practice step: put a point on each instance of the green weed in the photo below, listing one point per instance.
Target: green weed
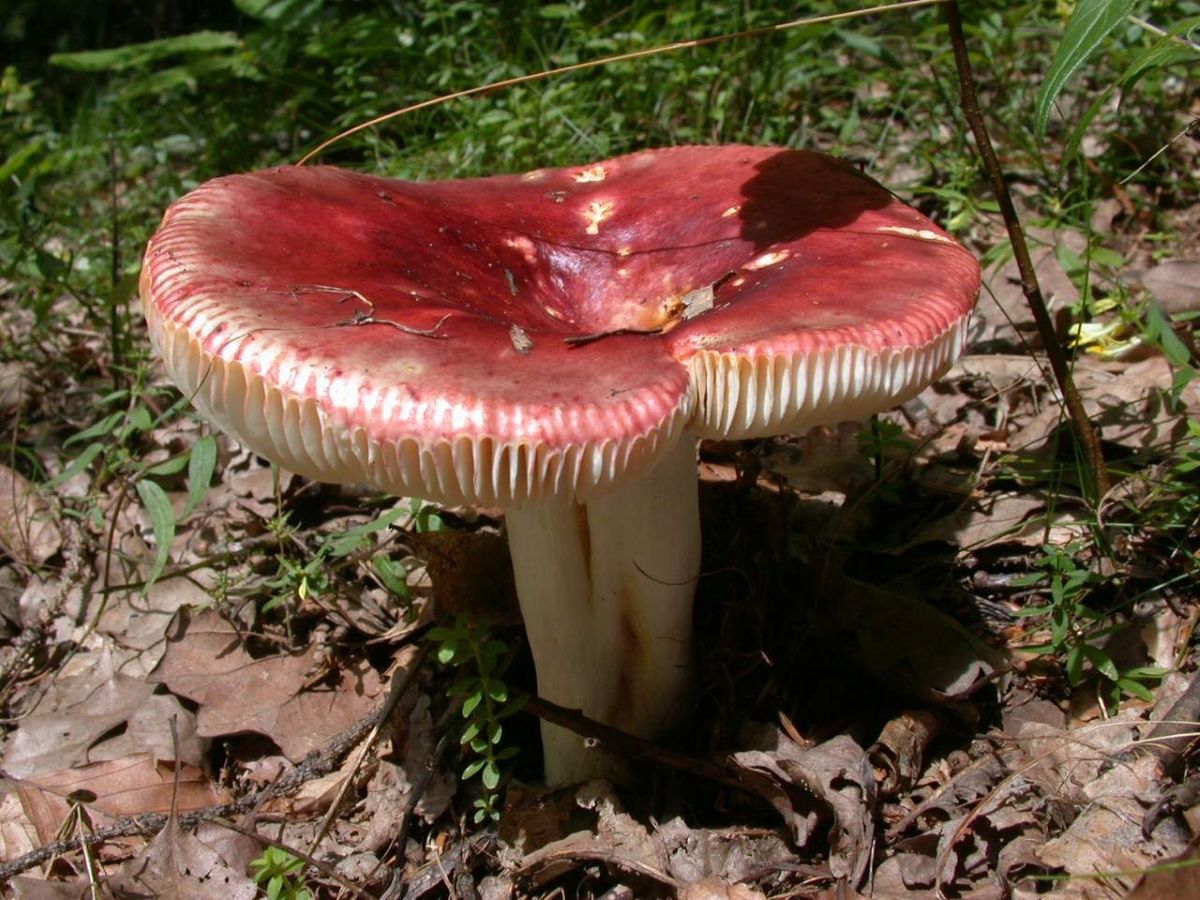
(302, 574)
(280, 875)
(1076, 627)
(486, 702)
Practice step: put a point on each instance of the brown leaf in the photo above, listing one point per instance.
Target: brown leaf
(206, 662)
(390, 789)
(176, 864)
(471, 574)
(909, 645)
(823, 458)
(1005, 517)
(1175, 283)
(1107, 835)
(138, 620)
(1128, 403)
(1173, 882)
(28, 531)
(904, 874)
(620, 841)
(80, 711)
(831, 782)
(734, 855)
(26, 888)
(900, 750)
(123, 787)
(712, 888)
(16, 379)
(17, 834)
(1002, 316)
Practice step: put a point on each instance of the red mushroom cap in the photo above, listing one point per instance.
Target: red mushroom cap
(497, 340)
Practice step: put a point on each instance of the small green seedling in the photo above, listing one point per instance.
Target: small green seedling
(486, 702)
(280, 875)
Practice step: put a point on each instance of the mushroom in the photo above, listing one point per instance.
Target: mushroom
(555, 343)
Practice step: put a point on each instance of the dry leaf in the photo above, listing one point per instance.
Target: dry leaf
(472, 575)
(1112, 794)
(1175, 284)
(620, 841)
(206, 662)
(1005, 517)
(123, 787)
(909, 645)
(899, 753)
(823, 458)
(390, 789)
(1128, 403)
(712, 888)
(808, 786)
(733, 855)
(175, 864)
(28, 531)
(79, 711)
(26, 888)
(16, 378)
(1002, 318)
(1174, 882)
(142, 622)
(17, 834)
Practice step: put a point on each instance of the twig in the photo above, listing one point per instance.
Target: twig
(1163, 33)
(432, 875)
(398, 688)
(114, 212)
(631, 745)
(1174, 736)
(29, 640)
(578, 340)
(969, 99)
(1191, 126)
(421, 785)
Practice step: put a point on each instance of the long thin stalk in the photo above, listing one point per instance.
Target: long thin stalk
(114, 229)
(969, 99)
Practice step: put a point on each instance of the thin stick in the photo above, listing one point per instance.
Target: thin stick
(397, 690)
(969, 99)
(607, 60)
(1154, 29)
(630, 745)
(114, 236)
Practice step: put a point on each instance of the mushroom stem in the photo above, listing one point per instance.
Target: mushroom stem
(606, 592)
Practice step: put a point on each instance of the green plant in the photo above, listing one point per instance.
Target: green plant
(1075, 625)
(486, 702)
(882, 440)
(111, 450)
(282, 873)
(301, 574)
(1092, 21)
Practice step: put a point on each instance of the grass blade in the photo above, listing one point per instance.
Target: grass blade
(201, 464)
(162, 518)
(1090, 22)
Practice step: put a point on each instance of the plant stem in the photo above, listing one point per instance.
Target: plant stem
(114, 225)
(969, 99)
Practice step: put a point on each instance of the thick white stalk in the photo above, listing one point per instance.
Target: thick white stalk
(606, 593)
